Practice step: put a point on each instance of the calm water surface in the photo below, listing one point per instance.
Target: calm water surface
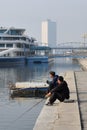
(21, 113)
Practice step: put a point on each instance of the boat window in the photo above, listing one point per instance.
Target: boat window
(23, 38)
(19, 45)
(2, 45)
(9, 45)
(26, 45)
(2, 31)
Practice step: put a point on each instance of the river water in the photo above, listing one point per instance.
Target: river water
(21, 113)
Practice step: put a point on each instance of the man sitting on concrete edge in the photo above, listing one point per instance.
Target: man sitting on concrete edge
(53, 83)
(60, 92)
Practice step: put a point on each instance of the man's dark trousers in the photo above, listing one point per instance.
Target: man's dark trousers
(55, 96)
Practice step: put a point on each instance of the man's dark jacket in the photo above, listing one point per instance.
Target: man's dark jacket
(62, 89)
(53, 83)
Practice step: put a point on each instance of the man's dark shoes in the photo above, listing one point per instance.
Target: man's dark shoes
(49, 104)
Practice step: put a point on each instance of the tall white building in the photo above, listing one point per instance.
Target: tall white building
(49, 33)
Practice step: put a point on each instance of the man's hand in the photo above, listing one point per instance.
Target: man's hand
(48, 95)
(47, 82)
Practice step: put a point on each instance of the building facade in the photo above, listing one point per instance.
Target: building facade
(49, 33)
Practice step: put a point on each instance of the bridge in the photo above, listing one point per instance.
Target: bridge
(69, 49)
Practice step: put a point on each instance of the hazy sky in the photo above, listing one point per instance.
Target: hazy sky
(70, 15)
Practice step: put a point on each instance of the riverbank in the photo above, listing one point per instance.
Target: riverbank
(62, 116)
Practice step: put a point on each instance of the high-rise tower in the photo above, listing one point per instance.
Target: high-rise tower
(49, 33)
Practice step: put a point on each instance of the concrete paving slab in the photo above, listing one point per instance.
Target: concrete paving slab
(66, 127)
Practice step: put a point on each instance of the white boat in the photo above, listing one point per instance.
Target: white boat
(14, 42)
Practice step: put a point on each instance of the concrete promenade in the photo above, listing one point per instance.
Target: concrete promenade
(61, 116)
(81, 81)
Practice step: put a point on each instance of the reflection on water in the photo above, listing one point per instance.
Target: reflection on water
(11, 111)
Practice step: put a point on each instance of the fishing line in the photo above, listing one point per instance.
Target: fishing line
(26, 112)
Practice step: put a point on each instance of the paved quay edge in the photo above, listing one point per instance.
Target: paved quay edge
(81, 81)
(61, 116)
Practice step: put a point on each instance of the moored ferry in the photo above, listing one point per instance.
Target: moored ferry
(14, 45)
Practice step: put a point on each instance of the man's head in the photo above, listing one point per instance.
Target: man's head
(60, 79)
(52, 74)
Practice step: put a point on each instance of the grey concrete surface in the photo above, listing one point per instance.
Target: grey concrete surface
(81, 81)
